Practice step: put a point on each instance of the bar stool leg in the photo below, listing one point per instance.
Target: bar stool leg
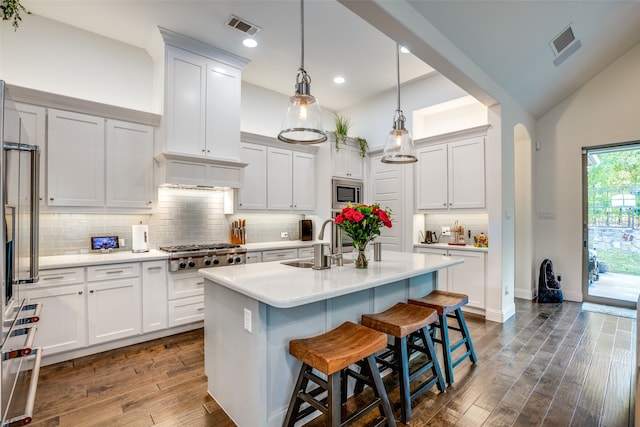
(446, 346)
(334, 398)
(379, 391)
(467, 336)
(403, 372)
(435, 368)
(294, 404)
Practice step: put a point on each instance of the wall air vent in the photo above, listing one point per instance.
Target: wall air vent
(564, 45)
(242, 25)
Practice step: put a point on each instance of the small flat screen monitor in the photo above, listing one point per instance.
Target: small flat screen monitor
(104, 243)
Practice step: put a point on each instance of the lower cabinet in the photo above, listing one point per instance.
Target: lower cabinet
(154, 292)
(64, 324)
(113, 303)
(466, 278)
(279, 255)
(186, 297)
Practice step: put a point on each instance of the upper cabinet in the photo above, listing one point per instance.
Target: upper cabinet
(76, 163)
(346, 162)
(202, 102)
(129, 165)
(450, 172)
(277, 178)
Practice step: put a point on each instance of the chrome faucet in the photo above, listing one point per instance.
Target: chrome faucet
(337, 256)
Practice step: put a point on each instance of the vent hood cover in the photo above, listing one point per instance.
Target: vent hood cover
(184, 170)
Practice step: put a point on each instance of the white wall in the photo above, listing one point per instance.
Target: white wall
(57, 58)
(603, 111)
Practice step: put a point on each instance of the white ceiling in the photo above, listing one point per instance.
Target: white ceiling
(508, 40)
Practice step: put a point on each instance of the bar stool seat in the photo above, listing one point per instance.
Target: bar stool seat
(408, 325)
(449, 305)
(331, 354)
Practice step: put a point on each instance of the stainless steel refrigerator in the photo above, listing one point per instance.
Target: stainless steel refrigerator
(19, 193)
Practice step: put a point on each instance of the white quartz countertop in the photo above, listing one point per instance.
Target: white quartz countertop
(81, 260)
(283, 286)
(282, 244)
(448, 246)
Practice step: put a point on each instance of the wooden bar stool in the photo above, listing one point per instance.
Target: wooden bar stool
(332, 353)
(408, 324)
(449, 305)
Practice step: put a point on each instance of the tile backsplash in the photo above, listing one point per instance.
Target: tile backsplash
(475, 222)
(182, 216)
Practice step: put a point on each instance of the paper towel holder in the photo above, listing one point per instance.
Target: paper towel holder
(139, 238)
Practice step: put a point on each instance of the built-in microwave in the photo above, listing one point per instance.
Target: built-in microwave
(346, 191)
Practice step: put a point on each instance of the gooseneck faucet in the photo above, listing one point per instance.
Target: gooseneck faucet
(337, 256)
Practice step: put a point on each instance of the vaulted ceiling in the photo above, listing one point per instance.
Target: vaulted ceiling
(507, 40)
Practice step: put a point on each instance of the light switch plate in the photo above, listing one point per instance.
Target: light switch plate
(446, 231)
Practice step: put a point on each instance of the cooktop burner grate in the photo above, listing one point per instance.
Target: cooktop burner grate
(198, 247)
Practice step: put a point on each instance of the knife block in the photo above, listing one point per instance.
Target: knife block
(238, 236)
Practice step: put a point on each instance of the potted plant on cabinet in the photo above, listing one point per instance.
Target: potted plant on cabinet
(11, 12)
(342, 129)
(364, 146)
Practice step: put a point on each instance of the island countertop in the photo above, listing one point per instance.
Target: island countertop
(283, 286)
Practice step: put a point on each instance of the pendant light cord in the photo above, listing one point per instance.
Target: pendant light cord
(398, 72)
(302, 35)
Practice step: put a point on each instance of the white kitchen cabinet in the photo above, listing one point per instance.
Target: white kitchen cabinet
(76, 162)
(25, 124)
(253, 194)
(186, 297)
(290, 180)
(305, 252)
(347, 162)
(154, 296)
(279, 255)
(202, 107)
(129, 176)
(113, 302)
(451, 175)
(64, 319)
(466, 278)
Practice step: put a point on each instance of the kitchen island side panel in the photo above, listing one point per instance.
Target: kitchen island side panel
(253, 378)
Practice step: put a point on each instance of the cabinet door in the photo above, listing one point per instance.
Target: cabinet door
(346, 162)
(469, 277)
(443, 274)
(467, 174)
(223, 111)
(185, 108)
(355, 162)
(63, 320)
(154, 296)
(304, 182)
(75, 173)
(114, 310)
(279, 255)
(25, 124)
(254, 257)
(279, 179)
(129, 165)
(431, 177)
(253, 194)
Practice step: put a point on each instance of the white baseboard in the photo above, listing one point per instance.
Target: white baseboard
(501, 316)
(528, 294)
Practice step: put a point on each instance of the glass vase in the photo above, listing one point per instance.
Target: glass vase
(361, 256)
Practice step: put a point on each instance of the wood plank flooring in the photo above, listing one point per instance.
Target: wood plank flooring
(551, 365)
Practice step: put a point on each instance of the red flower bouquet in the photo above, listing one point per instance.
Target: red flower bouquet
(362, 223)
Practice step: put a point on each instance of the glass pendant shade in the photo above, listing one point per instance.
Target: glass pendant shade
(302, 122)
(399, 145)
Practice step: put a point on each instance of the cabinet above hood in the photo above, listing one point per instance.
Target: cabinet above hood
(198, 171)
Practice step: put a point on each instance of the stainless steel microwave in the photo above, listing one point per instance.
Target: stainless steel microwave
(346, 191)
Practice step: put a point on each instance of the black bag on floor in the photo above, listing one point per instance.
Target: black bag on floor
(548, 287)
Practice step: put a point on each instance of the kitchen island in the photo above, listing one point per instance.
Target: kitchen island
(253, 310)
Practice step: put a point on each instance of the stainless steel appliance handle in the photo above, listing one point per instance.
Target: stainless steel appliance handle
(34, 152)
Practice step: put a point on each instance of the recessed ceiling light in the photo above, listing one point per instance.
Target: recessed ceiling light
(404, 49)
(339, 80)
(249, 42)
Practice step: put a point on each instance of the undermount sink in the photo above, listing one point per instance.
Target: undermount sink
(308, 263)
(299, 263)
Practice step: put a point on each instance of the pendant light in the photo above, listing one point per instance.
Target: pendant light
(399, 145)
(302, 122)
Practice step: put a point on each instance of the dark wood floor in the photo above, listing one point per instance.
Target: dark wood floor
(551, 365)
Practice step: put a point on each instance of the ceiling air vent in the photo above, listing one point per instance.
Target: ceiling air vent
(564, 45)
(242, 25)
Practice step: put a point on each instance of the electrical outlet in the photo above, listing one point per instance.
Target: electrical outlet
(446, 231)
(247, 320)
(284, 235)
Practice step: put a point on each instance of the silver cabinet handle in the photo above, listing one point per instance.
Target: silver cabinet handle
(53, 278)
(80, 293)
(154, 268)
(91, 291)
(115, 272)
(51, 198)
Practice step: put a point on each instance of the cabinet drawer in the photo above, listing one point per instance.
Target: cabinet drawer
(112, 271)
(186, 284)
(305, 252)
(279, 255)
(186, 310)
(61, 276)
(254, 257)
